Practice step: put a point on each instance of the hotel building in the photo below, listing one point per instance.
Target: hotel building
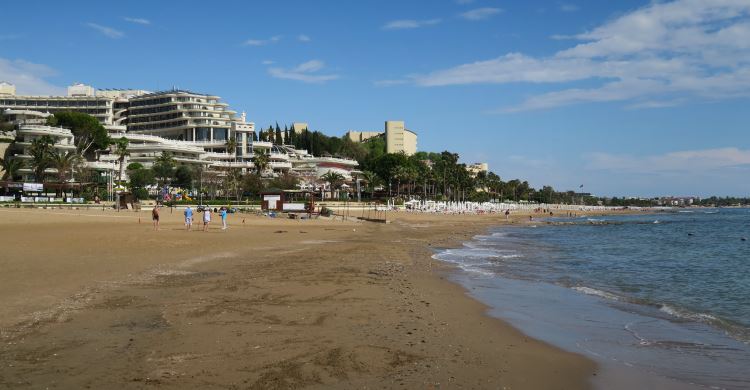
(180, 115)
(399, 139)
(194, 127)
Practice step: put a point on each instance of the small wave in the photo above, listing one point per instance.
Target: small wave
(679, 313)
(737, 331)
(595, 220)
(656, 221)
(595, 292)
(475, 268)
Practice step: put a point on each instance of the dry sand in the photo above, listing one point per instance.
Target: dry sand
(95, 299)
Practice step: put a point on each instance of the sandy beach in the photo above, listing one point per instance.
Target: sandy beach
(95, 299)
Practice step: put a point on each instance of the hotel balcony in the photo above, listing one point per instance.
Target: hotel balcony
(234, 164)
(45, 130)
(103, 165)
(206, 143)
(261, 145)
(217, 156)
(278, 156)
(280, 165)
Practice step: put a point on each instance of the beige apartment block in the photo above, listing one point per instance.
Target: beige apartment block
(399, 139)
(299, 127)
(361, 136)
(475, 168)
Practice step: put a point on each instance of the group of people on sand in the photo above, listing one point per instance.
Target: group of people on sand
(189, 217)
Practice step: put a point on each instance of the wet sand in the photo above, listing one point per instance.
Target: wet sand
(94, 299)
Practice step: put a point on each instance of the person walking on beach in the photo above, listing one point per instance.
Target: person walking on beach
(206, 218)
(155, 216)
(507, 213)
(223, 214)
(188, 218)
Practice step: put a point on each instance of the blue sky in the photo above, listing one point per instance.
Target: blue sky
(632, 98)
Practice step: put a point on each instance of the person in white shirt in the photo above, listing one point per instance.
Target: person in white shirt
(206, 219)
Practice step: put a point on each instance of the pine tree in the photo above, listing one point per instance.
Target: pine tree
(279, 140)
(308, 142)
(292, 138)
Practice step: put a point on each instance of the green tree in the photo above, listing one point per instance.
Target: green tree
(252, 183)
(10, 168)
(183, 177)
(64, 162)
(371, 180)
(279, 140)
(121, 150)
(89, 134)
(334, 180)
(261, 162)
(41, 155)
(386, 166)
(164, 168)
(286, 181)
(140, 178)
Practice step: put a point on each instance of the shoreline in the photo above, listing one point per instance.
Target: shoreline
(411, 342)
(530, 305)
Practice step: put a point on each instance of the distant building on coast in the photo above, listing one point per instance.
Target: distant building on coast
(398, 139)
(680, 201)
(476, 168)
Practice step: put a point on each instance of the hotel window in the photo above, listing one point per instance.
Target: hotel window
(220, 134)
(202, 134)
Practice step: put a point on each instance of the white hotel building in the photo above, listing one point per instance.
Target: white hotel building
(194, 127)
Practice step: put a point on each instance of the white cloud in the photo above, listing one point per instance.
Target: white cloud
(109, 32)
(680, 51)
(303, 38)
(137, 20)
(481, 13)
(262, 42)
(409, 24)
(689, 161)
(305, 72)
(267, 62)
(388, 83)
(568, 7)
(29, 78)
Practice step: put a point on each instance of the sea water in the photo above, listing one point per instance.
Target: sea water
(662, 294)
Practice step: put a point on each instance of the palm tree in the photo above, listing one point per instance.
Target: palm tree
(232, 147)
(121, 150)
(372, 180)
(10, 168)
(334, 179)
(41, 152)
(64, 163)
(261, 162)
